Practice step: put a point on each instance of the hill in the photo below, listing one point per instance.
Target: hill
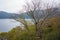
(5, 15)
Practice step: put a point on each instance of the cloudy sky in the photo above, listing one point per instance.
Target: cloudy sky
(11, 5)
(15, 5)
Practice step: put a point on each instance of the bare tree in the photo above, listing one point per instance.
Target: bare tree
(34, 11)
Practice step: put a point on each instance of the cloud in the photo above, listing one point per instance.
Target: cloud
(16, 5)
(11, 5)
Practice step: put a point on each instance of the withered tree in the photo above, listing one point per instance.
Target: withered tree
(34, 11)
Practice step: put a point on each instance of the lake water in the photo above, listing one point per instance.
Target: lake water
(7, 24)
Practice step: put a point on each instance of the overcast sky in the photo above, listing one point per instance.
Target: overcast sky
(14, 6)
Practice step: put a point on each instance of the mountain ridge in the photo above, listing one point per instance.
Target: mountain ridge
(6, 15)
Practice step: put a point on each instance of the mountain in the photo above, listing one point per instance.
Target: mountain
(54, 13)
(5, 15)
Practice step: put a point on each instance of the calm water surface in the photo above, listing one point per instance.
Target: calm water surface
(7, 24)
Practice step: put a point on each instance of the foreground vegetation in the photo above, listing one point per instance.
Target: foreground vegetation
(51, 31)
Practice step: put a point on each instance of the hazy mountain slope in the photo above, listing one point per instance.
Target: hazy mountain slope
(4, 15)
(42, 13)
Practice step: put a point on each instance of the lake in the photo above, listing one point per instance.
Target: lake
(7, 24)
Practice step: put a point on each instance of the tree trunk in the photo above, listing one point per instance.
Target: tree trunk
(38, 30)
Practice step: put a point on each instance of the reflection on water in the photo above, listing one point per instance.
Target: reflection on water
(7, 24)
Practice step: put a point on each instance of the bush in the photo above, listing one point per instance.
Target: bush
(52, 37)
